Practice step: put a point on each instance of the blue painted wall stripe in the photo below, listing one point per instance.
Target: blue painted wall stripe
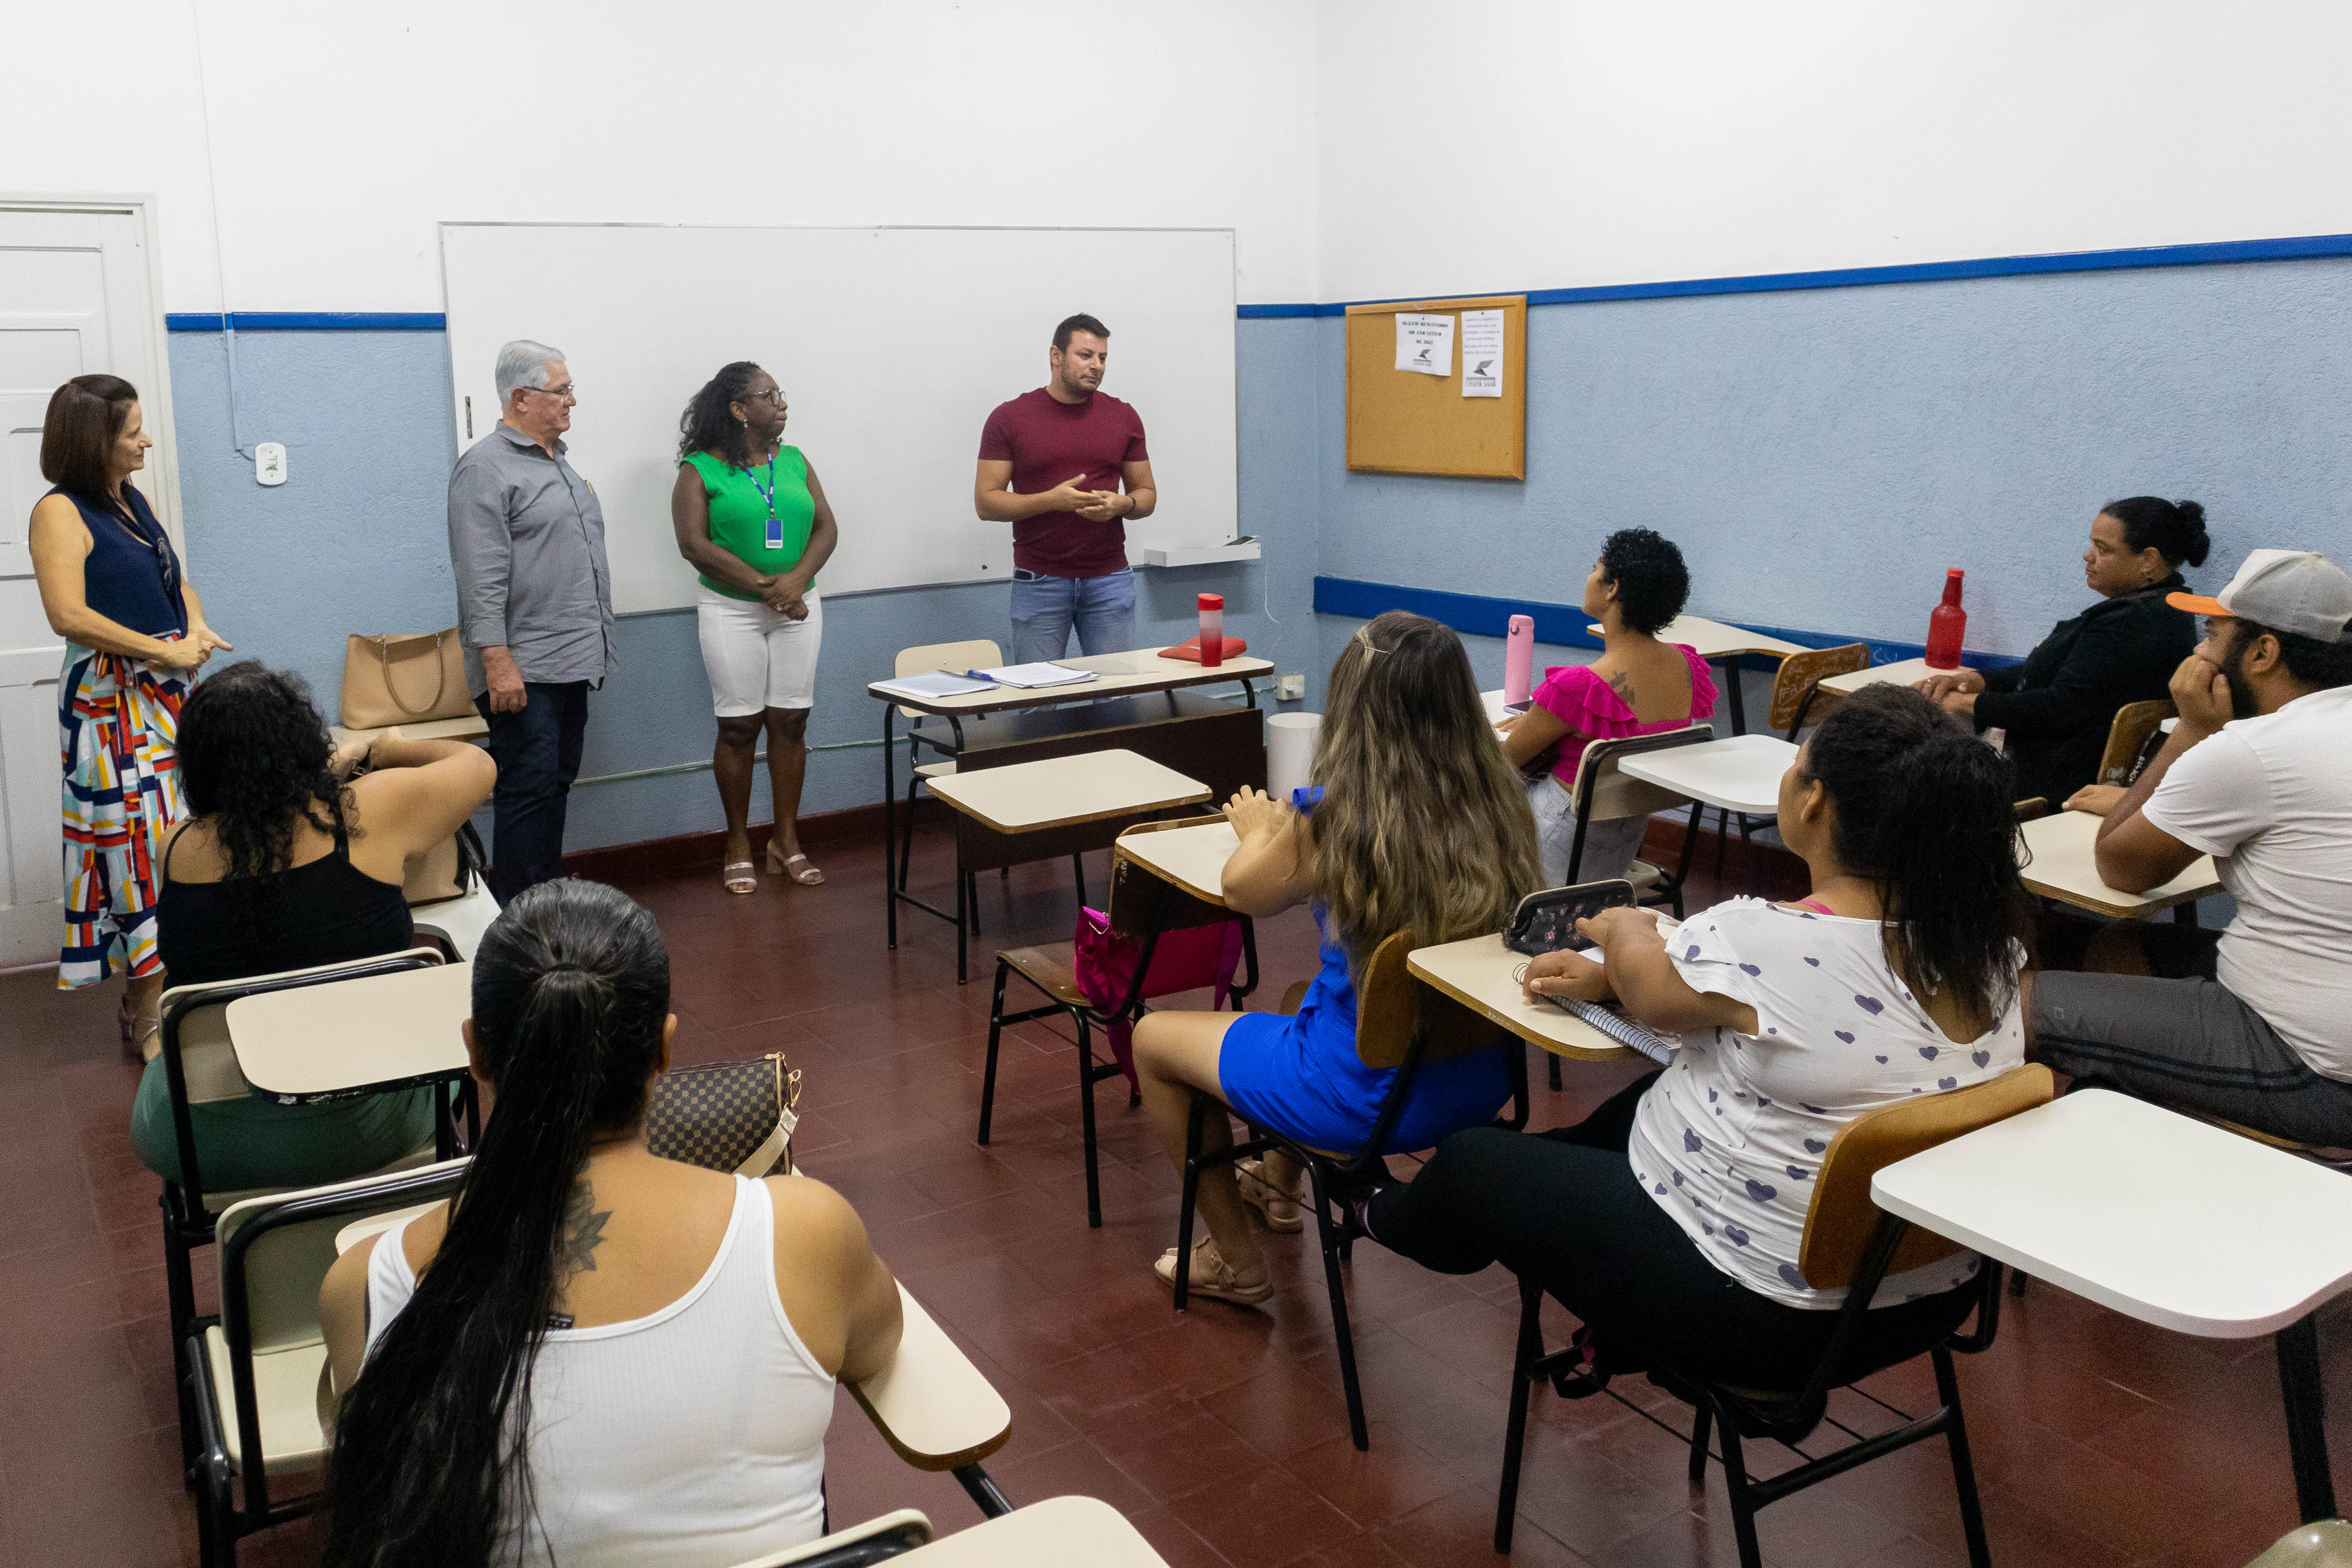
(1562, 626)
(2291, 248)
(2294, 249)
(310, 322)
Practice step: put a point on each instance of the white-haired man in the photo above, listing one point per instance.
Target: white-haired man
(534, 608)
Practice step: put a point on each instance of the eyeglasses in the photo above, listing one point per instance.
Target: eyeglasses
(564, 391)
(773, 397)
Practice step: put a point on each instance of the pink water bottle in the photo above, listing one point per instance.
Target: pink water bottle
(1946, 626)
(1520, 659)
(1213, 629)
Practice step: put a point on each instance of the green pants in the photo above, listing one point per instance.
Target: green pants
(257, 1142)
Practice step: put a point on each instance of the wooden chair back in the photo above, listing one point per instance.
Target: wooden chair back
(1800, 672)
(2135, 722)
(978, 653)
(1393, 1009)
(1839, 1224)
(1140, 901)
(1617, 794)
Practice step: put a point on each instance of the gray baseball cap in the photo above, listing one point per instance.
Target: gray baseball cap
(2297, 591)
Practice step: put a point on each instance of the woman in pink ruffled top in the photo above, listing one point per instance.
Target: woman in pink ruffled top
(1638, 686)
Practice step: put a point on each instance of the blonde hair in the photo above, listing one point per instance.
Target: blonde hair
(1424, 826)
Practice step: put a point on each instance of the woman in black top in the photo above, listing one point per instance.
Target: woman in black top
(2059, 704)
(287, 862)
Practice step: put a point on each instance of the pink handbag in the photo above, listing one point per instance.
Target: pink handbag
(1183, 959)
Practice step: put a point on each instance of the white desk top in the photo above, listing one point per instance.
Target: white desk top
(1121, 674)
(1741, 773)
(466, 727)
(1903, 671)
(2060, 863)
(931, 1403)
(1483, 975)
(377, 1032)
(2154, 1213)
(1193, 858)
(1715, 639)
(1060, 1533)
(1056, 791)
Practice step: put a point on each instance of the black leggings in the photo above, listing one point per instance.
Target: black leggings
(1562, 1209)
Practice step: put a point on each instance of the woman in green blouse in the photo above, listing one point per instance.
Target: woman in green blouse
(752, 520)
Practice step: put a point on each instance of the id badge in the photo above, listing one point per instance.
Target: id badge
(775, 531)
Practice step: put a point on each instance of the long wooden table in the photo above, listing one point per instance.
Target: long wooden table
(1141, 703)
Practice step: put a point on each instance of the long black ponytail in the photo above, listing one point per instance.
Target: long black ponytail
(1924, 810)
(570, 991)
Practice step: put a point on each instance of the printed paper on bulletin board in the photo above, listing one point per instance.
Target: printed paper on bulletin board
(1402, 423)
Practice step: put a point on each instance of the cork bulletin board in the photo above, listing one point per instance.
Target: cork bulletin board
(1405, 421)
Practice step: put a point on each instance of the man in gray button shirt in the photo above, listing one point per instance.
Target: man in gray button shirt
(534, 608)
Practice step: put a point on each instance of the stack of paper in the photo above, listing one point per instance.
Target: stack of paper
(1032, 675)
(937, 684)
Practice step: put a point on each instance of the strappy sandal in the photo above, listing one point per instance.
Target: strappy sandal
(808, 876)
(1212, 1275)
(1279, 1209)
(739, 877)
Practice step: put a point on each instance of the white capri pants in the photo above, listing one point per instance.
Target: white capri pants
(758, 657)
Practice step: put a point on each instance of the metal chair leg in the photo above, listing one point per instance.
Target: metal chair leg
(1698, 1444)
(972, 898)
(995, 1032)
(1087, 1118)
(1743, 1507)
(1964, 1473)
(907, 834)
(1339, 1328)
(1531, 1351)
(1194, 1128)
(1079, 875)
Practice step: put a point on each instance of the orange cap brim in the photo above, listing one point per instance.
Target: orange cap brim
(2197, 603)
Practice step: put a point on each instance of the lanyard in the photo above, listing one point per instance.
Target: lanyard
(768, 494)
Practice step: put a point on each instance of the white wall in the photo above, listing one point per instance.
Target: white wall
(1513, 144)
(341, 134)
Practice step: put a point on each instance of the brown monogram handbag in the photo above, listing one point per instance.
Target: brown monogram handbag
(397, 679)
(726, 1116)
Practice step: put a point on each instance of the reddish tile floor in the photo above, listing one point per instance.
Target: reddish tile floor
(1222, 1432)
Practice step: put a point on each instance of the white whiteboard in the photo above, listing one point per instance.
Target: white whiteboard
(892, 344)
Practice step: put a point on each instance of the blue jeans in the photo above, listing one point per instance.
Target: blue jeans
(1044, 608)
(538, 753)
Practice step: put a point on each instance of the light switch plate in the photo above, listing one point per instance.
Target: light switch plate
(1290, 687)
(269, 463)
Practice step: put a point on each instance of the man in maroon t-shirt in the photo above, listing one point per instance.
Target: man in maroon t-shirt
(1053, 463)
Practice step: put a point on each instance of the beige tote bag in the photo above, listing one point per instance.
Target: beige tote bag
(397, 679)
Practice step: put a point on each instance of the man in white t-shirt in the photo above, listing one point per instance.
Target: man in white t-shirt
(2254, 1025)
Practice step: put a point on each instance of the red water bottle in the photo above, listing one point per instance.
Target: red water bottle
(1213, 629)
(1946, 626)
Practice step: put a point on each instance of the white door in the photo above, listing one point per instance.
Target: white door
(74, 296)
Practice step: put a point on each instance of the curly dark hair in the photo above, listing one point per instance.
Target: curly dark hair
(1926, 811)
(707, 426)
(1647, 571)
(253, 755)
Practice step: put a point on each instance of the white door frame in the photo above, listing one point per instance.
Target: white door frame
(155, 400)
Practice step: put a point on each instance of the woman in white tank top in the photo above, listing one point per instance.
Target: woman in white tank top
(602, 1358)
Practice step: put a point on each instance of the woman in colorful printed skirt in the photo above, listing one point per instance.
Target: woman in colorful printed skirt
(135, 635)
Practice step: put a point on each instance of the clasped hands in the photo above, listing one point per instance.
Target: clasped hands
(1954, 693)
(786, 592)
(1572, 975)
(1253, 812)
(1094, 506)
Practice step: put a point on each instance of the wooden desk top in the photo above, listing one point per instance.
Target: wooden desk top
(2060, 862)
(1193, 858)
(1716, 639)
(1739, 773)
(2154, 1213)
(1059, 791)
(466, 727)
(1140, 671)
(1483, 975)
(387, 1030)
(1060, 1533)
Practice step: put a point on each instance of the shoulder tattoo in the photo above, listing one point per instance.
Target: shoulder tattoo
(583, 1230)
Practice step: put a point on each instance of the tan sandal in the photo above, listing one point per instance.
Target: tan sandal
(808, 876)
(1212, 1275)
(1279, 1209)
(739, 877)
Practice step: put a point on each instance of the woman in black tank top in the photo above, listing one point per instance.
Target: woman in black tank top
(288, 863)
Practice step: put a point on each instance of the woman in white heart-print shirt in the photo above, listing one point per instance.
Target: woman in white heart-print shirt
(1673, 1215)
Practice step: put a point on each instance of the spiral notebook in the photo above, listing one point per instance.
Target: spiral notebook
(1658, 1047)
